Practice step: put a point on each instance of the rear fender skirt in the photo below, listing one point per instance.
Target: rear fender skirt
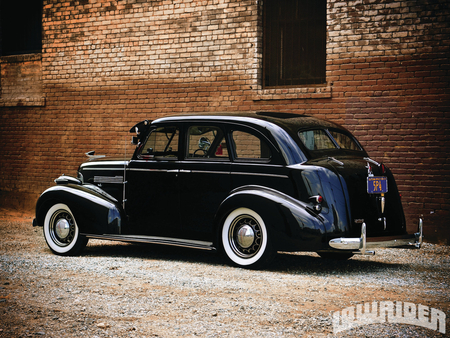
(294, 225)
(94, 212)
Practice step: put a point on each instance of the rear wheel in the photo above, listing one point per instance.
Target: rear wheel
(61, 231)
(245, 239)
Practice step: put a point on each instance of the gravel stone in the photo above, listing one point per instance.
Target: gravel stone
(116, 289)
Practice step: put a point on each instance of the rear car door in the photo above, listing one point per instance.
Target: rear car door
(204, 178)
(257, 161)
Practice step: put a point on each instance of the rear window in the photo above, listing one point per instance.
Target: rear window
(321, 139)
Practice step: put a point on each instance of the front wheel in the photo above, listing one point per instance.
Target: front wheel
(61, 231)
(245, 239)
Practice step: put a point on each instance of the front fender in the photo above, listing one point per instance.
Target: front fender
(94, 212)
(294, 226)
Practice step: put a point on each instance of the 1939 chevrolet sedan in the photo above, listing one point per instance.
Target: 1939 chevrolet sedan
(248, 184)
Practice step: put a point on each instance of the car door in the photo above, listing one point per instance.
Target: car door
(257, 161)
(152, 190)
(204, 178)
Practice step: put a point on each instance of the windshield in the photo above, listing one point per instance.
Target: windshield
(322, 139)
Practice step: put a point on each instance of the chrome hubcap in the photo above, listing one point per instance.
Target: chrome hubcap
(62, 228)
(245, 236)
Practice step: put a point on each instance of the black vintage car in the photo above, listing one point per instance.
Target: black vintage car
(249, 184)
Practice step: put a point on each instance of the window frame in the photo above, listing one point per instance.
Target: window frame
(279, 67)
(21, 27)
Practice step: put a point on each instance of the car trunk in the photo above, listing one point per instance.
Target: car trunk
(364, 207)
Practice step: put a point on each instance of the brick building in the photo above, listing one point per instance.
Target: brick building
(380, 68)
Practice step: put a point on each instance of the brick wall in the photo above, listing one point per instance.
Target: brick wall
(109, 64)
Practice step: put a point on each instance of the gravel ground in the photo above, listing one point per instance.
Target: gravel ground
(128, 290)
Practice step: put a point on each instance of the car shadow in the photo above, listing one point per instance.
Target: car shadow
(152, 251)
(311, 263)
(296, 264)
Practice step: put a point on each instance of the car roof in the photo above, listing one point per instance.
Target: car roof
(288, 121)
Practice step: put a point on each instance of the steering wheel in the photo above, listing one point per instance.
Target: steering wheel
(201, 155)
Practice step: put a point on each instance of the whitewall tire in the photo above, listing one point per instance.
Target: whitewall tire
(245, 238)
(61, 231)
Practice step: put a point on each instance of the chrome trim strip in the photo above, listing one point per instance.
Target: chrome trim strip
(210, 172)
(142, 169)
(103, 169)
(259, 174)
(118, 163)
(185, 243)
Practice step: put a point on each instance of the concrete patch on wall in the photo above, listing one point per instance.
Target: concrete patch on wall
(21, 81)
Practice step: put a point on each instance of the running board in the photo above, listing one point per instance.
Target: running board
(185, 243)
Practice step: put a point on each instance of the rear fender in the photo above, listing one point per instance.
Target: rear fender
(94, 212)
(294, 226)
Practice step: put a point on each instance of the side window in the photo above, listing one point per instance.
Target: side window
(206, 142)
(162, 142)
(250, 147)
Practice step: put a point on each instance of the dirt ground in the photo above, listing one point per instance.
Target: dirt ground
(127, 290)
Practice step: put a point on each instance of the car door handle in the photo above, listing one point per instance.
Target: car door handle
(185, 171)
(173, 171)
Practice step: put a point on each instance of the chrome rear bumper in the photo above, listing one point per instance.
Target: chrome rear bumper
(362, 245)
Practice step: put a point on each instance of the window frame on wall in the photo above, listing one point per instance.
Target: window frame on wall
(284, 46)
(20, 27)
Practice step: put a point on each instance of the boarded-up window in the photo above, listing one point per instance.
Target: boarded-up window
(294, 42)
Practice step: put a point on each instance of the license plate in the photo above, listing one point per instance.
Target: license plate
(377, 185)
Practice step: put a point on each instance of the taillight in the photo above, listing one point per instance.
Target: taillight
(383, 169)
(317, 200)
